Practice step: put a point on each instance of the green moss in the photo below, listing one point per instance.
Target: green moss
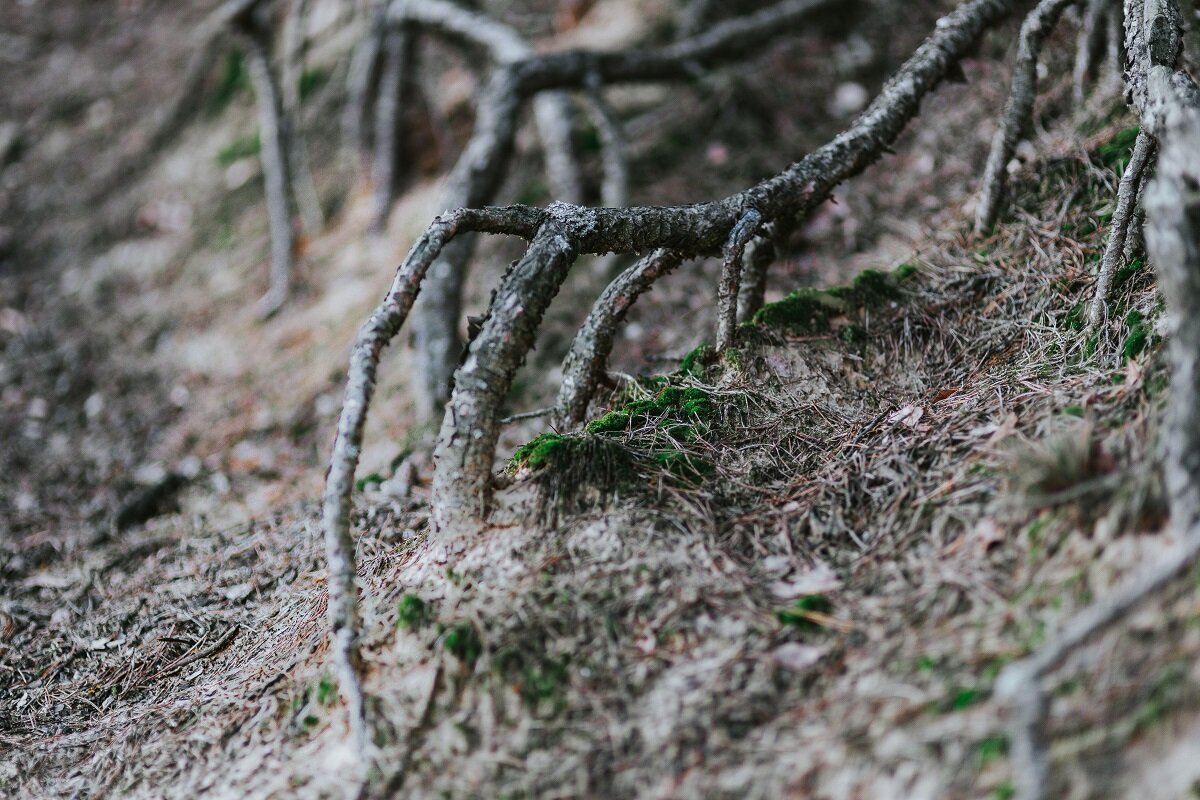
(326, 691)
(612, 422)
(312, 80)
(534, 454)
(1073, 411)
(925, 664)
(869, 287)
(960, 700)
(687, 466)
(905, 271)
(809, 310)
(362, 483)
(242, 148)
(733, 357)
(463, 642)
(1138, 336)
(1126, 272)
(804, 310)
(1116, 152)
(1076, 319)
(852, 334)
(801, 613)
(1005, 791)
(412, 613)
(992, 748)
(696, 363)
(233, 80)
(1164, 696)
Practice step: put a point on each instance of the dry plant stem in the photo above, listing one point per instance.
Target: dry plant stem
(466, 446)
(1017, 111)
(277, 178)
(480, 169)
(731, 278)
(1122, 219)
(397, 68)
(375, 334)
(1168, 102)
(587, 360)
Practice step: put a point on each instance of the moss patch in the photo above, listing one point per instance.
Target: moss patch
(810, 310)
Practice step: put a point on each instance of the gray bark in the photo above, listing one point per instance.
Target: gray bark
(375, 334)
(277, 174)
(760, 254)
(1168, 102)
(480, 170)
(1091, 46)
(362, 80)
(466, 447)
(295, 47)
(1123, 219)
(614, 187)
(1017, 111)
(731, 278)
(397, 67)
(587, 360)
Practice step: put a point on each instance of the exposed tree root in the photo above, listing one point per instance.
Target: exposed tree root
(614, 188)
(584, 366)
(761, 252)
(393, 92)
(1017, 112)
(463, 481)
(1092, 45)
(481, 168)
(372, 338)
(276, 159)
(1123, 220)
(295, 47)
(731, 277)
(1168, 102)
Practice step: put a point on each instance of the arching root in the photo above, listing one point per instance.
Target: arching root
(1123, 220)
(1017, 112)
(1168, 102)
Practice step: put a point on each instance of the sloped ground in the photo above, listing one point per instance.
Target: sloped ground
(809, 564)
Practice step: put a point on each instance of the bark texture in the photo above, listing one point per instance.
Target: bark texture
(1123, 219)
(276, 163)
(1168, 102)
(480, 170)
(586, 362)
(466, 447)
(375, 334)
(731, 277)
(1017, 111)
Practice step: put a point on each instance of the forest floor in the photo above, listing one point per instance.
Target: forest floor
(793, 571)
